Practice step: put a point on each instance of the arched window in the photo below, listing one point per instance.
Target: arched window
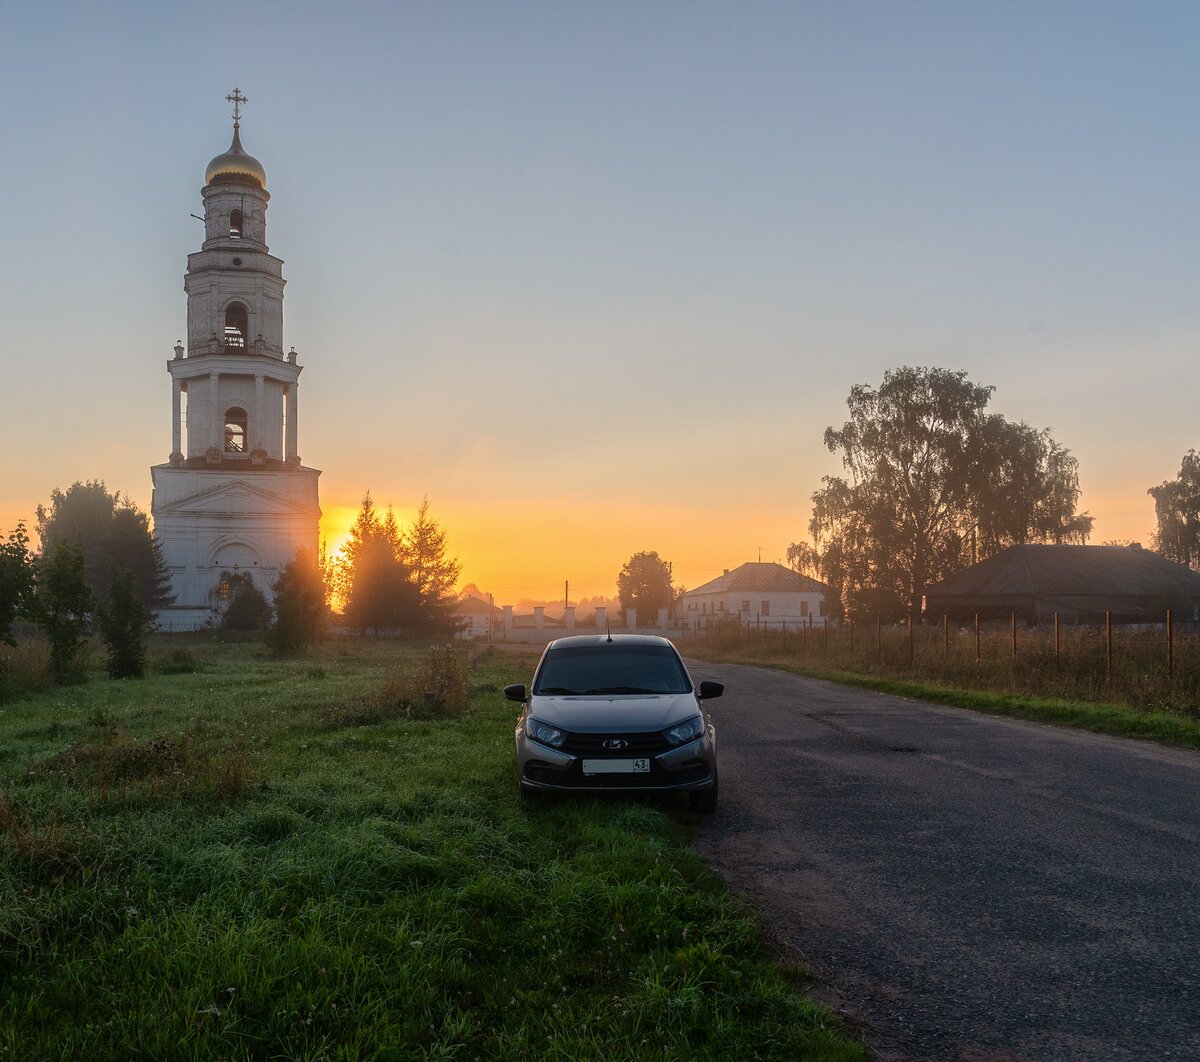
(237, 324)
(235, 430)
(232, 584)
(235, 224)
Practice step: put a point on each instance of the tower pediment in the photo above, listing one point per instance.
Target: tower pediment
(234, 497)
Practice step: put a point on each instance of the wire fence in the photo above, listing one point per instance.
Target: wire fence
(1145, 665)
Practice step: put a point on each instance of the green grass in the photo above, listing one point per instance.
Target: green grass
(1142, 705)
(244, 858)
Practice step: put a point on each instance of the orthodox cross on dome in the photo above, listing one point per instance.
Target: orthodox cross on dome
(237, 99)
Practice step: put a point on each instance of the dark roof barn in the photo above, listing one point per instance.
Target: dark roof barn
(1080, 583)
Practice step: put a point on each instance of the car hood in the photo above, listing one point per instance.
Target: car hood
(618, 713)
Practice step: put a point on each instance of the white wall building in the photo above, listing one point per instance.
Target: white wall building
(233, 503)
(756, 594)
(478, 618)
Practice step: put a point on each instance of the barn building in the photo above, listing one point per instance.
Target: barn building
(1080, 583)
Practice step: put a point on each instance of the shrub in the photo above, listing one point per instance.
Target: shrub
(123, 623)
(248, 611)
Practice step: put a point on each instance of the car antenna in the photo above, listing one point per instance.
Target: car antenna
(608, 627)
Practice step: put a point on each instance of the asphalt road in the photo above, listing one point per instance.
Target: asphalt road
(969, 887)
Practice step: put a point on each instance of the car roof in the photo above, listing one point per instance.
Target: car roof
(578, 640)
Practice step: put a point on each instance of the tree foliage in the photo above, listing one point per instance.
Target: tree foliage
(300, 605)
(112, 532)
(934, 483)
(123, 624)
(1177, 513)
(372, 578)
(248, 611)
(644, 584)
(392, 579)
(433, 573)
(16, 581)
(61, 605)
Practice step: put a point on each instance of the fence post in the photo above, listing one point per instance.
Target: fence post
(1170, 648)
(1057, 642)
(879, 637)
(1108, 644)
(946, 632)
(977, 642)
(910, 640)
(852, 634)
(825, 640)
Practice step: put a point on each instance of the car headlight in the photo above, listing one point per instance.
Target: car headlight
(687, 731)
(543, 732)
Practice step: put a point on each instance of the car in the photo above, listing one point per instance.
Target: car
(616, 712)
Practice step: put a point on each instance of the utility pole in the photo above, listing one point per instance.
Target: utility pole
(566, 596)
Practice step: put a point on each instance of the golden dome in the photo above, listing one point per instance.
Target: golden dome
(236, 165)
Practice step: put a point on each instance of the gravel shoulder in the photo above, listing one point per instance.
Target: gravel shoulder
(966, 887)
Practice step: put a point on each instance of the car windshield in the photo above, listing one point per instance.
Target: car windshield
(611, 668)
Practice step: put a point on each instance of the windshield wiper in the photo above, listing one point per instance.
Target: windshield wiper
(560, 691)
(620, 689)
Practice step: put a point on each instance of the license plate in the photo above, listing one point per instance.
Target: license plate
(641, 766)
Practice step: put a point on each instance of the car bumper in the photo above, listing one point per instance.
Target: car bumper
(688, 767)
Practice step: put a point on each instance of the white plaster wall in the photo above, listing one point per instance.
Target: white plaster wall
(253, 523)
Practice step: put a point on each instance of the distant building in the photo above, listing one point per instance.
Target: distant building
(1080, 583)
(478, 619)
(755, 594)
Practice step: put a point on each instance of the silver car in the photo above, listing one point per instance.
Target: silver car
(616, 712)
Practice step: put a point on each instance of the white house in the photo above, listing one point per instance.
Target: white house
(756, 594)
(233, 503)
(478, 619)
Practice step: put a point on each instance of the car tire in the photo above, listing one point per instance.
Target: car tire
(704, 801)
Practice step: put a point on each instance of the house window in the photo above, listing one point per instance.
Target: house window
(745, 606)
(821, 606)
(766, 608)
(236, 326)
(235, 430)
(235, 224)
(803, 608)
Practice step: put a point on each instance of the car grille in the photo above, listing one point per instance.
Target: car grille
(635, 744)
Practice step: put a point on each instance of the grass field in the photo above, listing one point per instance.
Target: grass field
(245, 858)
(1070, 683)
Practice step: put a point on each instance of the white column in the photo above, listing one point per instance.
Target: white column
(257, 443)
(176, 413)
(218, 414)
(290, 448)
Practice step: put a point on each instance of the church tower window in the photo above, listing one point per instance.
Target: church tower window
(235, 224)
(235, 430)
(237, 324)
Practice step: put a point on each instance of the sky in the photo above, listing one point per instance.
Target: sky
(594, 278)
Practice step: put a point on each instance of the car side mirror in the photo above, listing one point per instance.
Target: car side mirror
(515, 692)
(709, 689)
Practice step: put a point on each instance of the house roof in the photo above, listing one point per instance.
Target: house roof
(474, 606)
(1095, 572)
(759, 577)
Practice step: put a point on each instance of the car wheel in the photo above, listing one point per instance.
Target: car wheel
(704, 800)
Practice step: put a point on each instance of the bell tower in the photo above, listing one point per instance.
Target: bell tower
(233, 503)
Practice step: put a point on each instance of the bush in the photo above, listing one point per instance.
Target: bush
(123, 624)
(248, 611)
